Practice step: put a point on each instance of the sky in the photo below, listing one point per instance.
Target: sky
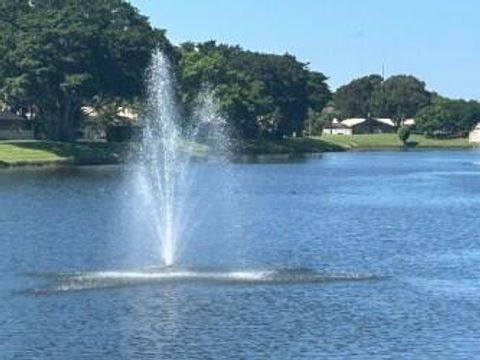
(436, 40)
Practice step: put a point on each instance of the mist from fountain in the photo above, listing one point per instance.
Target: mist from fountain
(167, 174)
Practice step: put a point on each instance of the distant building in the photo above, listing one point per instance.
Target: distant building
(127, 114)
(94, 131)
(370, 125)
(474, 136)
(336, 128)
(93, 128)
(123, 126)
(409, 122)
(14, 127)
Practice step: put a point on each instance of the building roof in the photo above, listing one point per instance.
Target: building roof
(10, 117)
(353, 121)
(127, 113)
(124, 113)
(357, 121)
(386, 121)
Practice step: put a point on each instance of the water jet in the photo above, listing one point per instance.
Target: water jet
(166, 173)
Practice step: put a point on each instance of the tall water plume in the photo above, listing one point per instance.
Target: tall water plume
(171, 190)
(163, 165)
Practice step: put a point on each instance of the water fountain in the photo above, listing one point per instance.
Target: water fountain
(166, 156)
(176, 201)
(162, 163)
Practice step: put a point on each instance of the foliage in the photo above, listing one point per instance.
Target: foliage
(316, 121)
(355, 98)
(261, 94)
(318, 92)
(403, 133)
(61, 54)
(447, 118)
(399, 97)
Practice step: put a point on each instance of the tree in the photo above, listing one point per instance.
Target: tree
(354, 99)
(403, 134)
(399, 97)
(318, 91)
(447, 117)
(316, 121)
(262, 94)
(238, 93)
(319, 98)
(62, 54)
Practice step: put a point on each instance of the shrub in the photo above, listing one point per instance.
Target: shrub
(403, 133)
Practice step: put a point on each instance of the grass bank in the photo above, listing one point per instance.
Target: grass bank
(391, 141)
(42, 153)
(285, 146)
(38, 153)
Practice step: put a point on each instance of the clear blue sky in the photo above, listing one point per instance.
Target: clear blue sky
(436, 40)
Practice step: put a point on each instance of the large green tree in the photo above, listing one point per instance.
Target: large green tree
(238, 93)
(262, 94)
(316, 121)
(399, 97)
(318, 91)
(60, 54)
(355, 98)
(447, 117)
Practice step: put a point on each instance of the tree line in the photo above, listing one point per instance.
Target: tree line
(60, 55)
(401, 97)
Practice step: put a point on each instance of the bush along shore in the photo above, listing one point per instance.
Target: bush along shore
(51, 153)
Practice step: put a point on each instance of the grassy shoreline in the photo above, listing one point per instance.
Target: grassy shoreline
(49, 153)
(391, 141)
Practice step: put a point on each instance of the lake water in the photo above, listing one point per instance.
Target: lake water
(346, 255)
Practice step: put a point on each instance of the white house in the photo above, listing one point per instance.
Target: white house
(353, 122)
(369, 125)
(385, 121)
(95, 130)
(336, 128)
(474, 136)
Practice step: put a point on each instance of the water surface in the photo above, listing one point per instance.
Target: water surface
(344, 255)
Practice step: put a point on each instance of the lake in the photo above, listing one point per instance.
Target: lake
(343, 255)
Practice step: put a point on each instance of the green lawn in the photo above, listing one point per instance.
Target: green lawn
(285, 146)
(18, 153)
(12, 153)
(369, 141)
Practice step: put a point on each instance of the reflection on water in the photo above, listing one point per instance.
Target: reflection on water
(366, 255)
(275, 159)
